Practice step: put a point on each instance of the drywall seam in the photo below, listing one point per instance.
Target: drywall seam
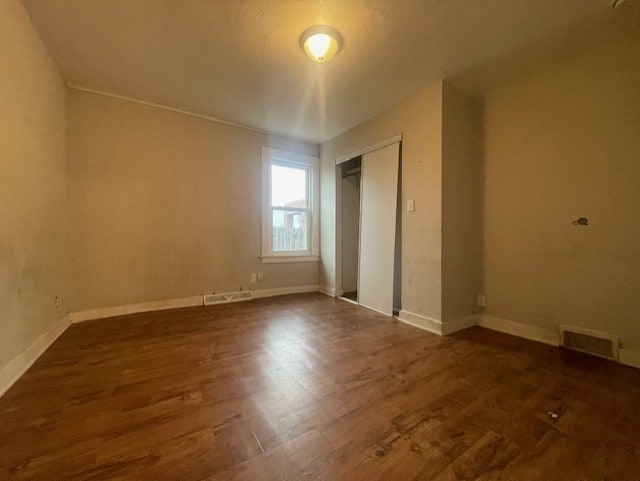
(520, 330)
(422, 322)
(13, 371)
(184, 112)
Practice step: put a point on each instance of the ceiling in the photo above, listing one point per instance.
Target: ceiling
(239, 60)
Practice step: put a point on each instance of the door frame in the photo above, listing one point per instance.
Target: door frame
(338, 203)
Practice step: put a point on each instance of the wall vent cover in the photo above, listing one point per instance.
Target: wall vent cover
(226, 297)
(591, 342)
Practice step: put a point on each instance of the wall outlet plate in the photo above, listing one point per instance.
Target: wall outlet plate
(482, 300)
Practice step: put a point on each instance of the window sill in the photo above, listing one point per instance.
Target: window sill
(284, 259)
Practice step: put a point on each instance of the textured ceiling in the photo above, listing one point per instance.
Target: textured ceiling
(239, 60)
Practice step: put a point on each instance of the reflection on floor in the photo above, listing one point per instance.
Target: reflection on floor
(307, 387)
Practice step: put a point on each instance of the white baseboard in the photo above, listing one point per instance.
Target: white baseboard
(350, 301)
(629, 357)
(10, 373)
(375, 310)
(517, 329)
(105, 312)
(425, 323)
(455, 325)
(329, 291)
(281, 291)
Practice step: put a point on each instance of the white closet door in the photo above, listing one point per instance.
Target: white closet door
(378, 228)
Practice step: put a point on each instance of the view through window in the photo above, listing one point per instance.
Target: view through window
(289, 208)
(290, 201)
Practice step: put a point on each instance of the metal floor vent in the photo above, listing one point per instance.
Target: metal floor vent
(226, 297)
(592, 342)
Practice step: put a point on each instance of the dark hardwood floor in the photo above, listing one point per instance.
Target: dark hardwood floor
(310, 388)
(352, 295)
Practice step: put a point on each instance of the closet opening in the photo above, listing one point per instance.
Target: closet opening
(350, 206)
(368, 227)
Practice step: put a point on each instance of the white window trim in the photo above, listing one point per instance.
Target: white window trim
(294, 159)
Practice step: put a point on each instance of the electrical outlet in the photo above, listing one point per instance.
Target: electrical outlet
(254, 278)
(57, 301)
(411, 205)
(260, 277)
(482, 300)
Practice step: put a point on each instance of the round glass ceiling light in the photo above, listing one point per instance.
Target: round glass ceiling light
(320, 42)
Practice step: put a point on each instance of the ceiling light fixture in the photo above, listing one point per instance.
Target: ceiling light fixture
(320, 42)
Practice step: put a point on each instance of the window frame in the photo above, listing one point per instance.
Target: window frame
(299, 161)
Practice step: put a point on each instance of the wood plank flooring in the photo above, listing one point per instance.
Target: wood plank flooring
(307, 387)
(352, 295)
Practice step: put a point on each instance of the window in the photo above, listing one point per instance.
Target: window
(290, 221)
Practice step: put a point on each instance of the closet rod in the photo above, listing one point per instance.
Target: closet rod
(351, 172)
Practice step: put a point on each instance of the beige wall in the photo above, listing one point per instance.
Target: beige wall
(33, 184)
(166, 205)
(152, 204)
(564, 144)
(419, 119)
(461, 205)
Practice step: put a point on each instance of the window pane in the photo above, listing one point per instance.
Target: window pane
(289, 230)
(288, 186)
